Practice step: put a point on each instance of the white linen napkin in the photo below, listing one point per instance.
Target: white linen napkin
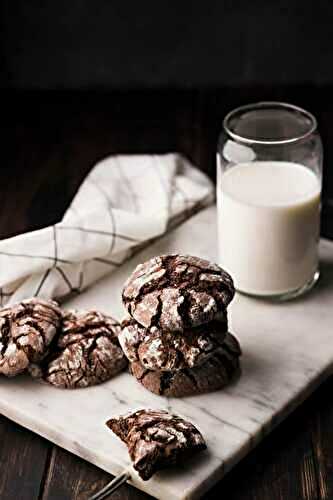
(124, 202)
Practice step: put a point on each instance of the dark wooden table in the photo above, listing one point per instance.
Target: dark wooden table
(49, 142)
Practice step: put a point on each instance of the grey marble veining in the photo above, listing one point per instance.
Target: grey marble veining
(287, 352)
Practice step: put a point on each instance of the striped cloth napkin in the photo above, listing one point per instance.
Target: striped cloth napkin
(123, 203)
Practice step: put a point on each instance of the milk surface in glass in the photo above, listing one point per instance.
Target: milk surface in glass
(268, 225)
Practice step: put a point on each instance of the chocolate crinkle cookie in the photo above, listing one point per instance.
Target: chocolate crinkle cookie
(170, 351)
(156, 439)
(26, 331)
(173, 292)
(216, 372)
(87, 352)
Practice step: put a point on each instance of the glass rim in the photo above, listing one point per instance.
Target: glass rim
(266, 104)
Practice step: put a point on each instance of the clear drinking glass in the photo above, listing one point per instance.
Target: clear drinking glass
(269, 177)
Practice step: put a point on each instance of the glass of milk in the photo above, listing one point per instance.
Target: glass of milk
(269, 176)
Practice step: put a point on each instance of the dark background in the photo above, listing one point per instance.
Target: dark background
(92, 67)
(185, 44)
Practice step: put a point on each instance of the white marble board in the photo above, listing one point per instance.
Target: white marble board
(288, 351)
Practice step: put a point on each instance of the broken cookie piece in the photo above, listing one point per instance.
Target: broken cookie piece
(87, 352)
(26, 331)
(156, 439)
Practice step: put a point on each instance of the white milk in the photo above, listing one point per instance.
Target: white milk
(268, 224)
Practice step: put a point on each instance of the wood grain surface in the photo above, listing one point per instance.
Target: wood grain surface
(50, 141)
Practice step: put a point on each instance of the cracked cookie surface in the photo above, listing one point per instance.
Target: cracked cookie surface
(87, 352)
(26, 331)
(169, 351)
(174, 292)
(216, 372)
(156, 439)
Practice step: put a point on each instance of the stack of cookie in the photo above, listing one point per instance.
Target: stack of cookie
(176, 337)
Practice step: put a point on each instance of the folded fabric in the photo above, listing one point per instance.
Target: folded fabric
(124, 202)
